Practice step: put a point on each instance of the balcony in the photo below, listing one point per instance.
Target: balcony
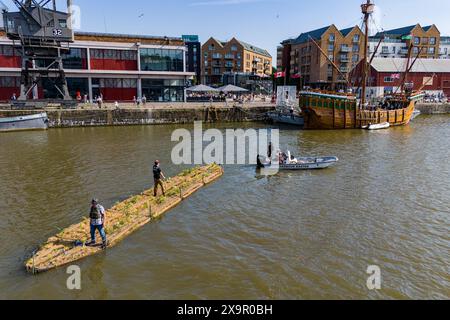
(346, 49)
(229, 56)
(345, 59)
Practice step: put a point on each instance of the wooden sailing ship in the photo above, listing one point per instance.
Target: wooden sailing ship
(333, 110)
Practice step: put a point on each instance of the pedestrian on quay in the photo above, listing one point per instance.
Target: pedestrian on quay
(99, 102)
(144, 100)
(98, 222)
(158, 176)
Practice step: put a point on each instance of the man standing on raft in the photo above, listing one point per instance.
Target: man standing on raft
(157, 175)
(98, 221)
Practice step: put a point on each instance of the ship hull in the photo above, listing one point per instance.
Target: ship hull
(24, 123)
(326, 114)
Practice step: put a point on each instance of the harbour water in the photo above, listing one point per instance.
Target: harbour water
(296, 235)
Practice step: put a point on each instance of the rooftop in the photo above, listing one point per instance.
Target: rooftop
(254, 49)
(404, 31)
(421, 65)
(317, 34)
(130, 37)
(247, 46)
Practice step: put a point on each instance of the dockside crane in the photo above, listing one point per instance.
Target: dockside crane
(41, 34)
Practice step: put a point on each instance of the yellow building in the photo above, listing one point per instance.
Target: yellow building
(234, 56)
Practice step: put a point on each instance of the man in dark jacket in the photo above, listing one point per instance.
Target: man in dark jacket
(158, 176)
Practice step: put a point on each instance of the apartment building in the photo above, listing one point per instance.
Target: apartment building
(444, 50)
(395, 42)
(300, 56)
(118, 67)
(234, 56)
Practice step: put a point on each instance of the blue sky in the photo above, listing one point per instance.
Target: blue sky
(263, 23)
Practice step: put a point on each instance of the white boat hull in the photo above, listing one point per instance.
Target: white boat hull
(303, 164)
(31, 122)
(379, 126)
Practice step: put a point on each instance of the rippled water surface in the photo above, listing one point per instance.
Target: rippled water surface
(297, 235)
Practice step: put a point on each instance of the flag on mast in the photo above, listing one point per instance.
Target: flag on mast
(281, 74)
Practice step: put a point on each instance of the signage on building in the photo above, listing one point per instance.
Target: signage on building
(190, 38)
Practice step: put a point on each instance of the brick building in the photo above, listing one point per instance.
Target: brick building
(234, 56)
(119, 67)
(386, 74)
(397, 41)
(344, 47)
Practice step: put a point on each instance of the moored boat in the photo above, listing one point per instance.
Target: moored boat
(288, 162)
(21, 123)
(378, 126)
(285, 118)
(340, 110)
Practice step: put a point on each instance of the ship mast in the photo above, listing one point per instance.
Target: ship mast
(367, 9)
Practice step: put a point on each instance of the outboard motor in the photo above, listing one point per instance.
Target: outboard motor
(259, 164)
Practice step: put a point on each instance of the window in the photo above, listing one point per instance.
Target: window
(331, 47)
(9, 82)
(416, 40)
(6, 50)
(415, 50)
(332, 37)
(431, 50)
(97, 54)
(76, 58)
(424, 40)
(355, 58)
(212, 47)
(162, 60)
(216, 71)
(356, 38)
(234, 48)
(388, 79)
(355, 48)
(385, 50)
(129, 83)
(433, 41)
(163, 90)
(62, 23)
(345, 48)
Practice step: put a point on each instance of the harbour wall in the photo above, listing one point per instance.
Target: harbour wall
(433, 108)
(65, 118)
